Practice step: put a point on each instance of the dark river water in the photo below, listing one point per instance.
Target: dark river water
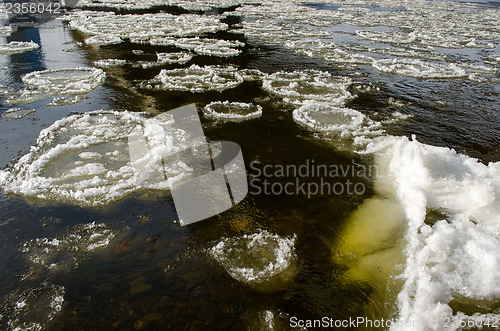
(155, 274)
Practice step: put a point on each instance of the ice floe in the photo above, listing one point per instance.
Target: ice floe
(211, 47)
(107, 28)
(196, 79)
(58, 167)
(32, 309)
(493, 60)
(388, 36)
(104, 40)
(15, 47)
(146, 4)
(6, 31)
(340, 56)
(408, 34)
(327, 118)
(16, 113)
(255, 258)
(302, 85)
(110, 63)
(419, 69)
(66, 81)
(166, 58)
(234, 111)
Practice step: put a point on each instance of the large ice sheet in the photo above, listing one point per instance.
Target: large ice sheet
(84, 159)
(196, 79)
(452, 260)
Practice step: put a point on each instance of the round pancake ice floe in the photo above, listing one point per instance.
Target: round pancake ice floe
(323, 117)
(298, 86)
(419, 69)
(196, 79)
(235, 111)
(64, 81)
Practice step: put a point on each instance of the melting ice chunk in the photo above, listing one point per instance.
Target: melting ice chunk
(255, 258)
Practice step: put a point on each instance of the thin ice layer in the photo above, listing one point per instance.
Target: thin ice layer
(255, 258)
(58, 167)
(452, 260)
(32, 309)
(196, 79)
(70, 248)
(298, 86)
(235, 111)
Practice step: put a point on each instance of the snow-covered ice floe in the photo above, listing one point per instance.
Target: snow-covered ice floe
(234, 111)
(451, 259)
(66, 81)
(17, 113)
(175, 57)
(104, 40)
(33, 308)
(330, 119)
(68, 249)
(301, 85)
(84, 159)
(388, 36)
(15, 47)
(419, 69)
(6, 30)
(196, 79)
(255, 258)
